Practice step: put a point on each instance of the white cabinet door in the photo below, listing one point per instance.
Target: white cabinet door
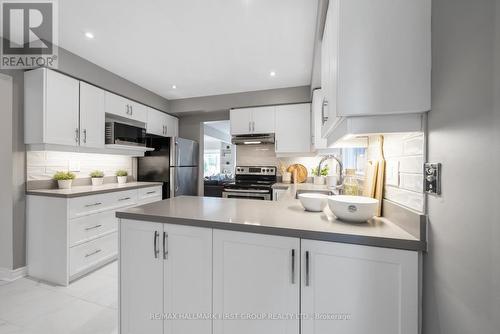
(293, 128)
(187, 277)
(141, 277)
(117, 105)
(317, 141)
(374, 289)
(255, 274)
(138, 112)
(241, 121)
(91, 116)
(263, 120)
(156, 122)
(61, 109)
(171, 126)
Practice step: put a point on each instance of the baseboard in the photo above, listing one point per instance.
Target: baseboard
(10, 275)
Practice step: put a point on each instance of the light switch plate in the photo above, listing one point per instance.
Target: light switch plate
(432, 178)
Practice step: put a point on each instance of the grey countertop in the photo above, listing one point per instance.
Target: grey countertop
(79, 191)
(285, 218)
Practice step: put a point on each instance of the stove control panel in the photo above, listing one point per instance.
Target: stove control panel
(257, 170)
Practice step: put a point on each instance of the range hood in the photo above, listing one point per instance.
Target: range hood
(254, 139)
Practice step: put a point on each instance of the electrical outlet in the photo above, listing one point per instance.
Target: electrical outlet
(74, 166)
(432, 178)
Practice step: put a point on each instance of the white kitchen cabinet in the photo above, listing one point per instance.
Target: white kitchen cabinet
(141, 277)
(376, 290)
(376, 59)
(164, 269)
(161, 124)
(91, 116)
(187, 277)
(260, 120)
(317, 141)
(122, 107)
(293, 128)
(278, 193)
(51, 103)
(70, 237)
(255, 274)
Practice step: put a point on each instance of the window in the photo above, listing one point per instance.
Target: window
(211, 162)
(354, 158)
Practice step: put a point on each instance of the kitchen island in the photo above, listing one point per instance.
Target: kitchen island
(213, 265)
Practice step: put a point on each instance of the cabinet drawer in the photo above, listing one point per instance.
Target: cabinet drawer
(91, 226)
(147, 193)
(149, 200)
(92, 253)
(87, 205)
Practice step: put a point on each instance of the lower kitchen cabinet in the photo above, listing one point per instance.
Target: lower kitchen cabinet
(369, 289)
(165, 278)
(255, 275)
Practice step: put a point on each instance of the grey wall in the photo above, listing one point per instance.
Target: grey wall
(461, 270)
(6, 166)
(78, 67)
(236, 100)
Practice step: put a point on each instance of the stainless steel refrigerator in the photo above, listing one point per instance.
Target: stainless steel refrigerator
(174, 162)
(183, 167)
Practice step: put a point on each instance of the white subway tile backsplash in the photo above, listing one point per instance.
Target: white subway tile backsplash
(410, 199)
(413, 164)
(42, 165)
(413, 182)
(414, 146)
(392, 172)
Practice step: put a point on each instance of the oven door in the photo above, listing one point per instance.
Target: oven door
(262, 195)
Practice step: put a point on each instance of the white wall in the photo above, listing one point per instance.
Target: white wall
(461, 269)
(6, 174)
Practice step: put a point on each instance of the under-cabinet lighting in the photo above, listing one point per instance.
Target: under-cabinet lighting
(252, 142)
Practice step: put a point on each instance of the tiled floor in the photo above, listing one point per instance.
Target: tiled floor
(87, 306)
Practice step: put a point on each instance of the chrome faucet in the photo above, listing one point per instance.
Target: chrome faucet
(340, 181)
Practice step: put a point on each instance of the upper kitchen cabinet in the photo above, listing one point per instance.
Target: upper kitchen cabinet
(293, 129)
(161, 124)
(122, 107)
(51, 103)
(252, 120)
(376, 59)
(91, 116)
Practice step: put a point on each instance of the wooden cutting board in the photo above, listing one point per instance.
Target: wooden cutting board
(379, 189)
(371, 179)
(300, 171)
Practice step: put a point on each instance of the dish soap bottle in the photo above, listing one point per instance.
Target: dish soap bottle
(351, 185)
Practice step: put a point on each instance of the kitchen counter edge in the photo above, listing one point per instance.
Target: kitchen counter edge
(89, 190)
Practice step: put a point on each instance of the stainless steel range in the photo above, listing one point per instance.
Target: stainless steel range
(252, 182)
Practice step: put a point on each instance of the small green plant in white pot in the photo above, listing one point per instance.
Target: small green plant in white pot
(320, 178)
(64, 179)
(121, 176)
(97, 177)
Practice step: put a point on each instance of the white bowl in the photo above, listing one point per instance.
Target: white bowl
(313, 201)
(353, 208)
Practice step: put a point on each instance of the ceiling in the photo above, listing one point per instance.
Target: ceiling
(202, 47)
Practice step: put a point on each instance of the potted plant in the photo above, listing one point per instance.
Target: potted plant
(121, 176)
(319, 178)
(64, 179)
(97, 177)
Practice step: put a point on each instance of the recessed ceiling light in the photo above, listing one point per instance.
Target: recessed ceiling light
(272, 73)
(89, 35)
(174, 86)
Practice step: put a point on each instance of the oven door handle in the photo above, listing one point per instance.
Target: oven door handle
(246, 191)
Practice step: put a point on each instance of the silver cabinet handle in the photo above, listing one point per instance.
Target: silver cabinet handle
(155, 244)
(77, 135)
(131, 110)
(253, 126)
(128, 109)
(150, 192)
(92, 227)
(307, 268)
(249, 126)
(124, 199)
(84, 136)
(93, 253)
(93, 204)
(324, 118)
(293, 266)
(165, 245)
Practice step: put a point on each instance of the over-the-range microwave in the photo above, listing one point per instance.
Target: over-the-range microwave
(125, 134)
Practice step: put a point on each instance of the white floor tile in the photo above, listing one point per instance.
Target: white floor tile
(79, 317)
(87, 306)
